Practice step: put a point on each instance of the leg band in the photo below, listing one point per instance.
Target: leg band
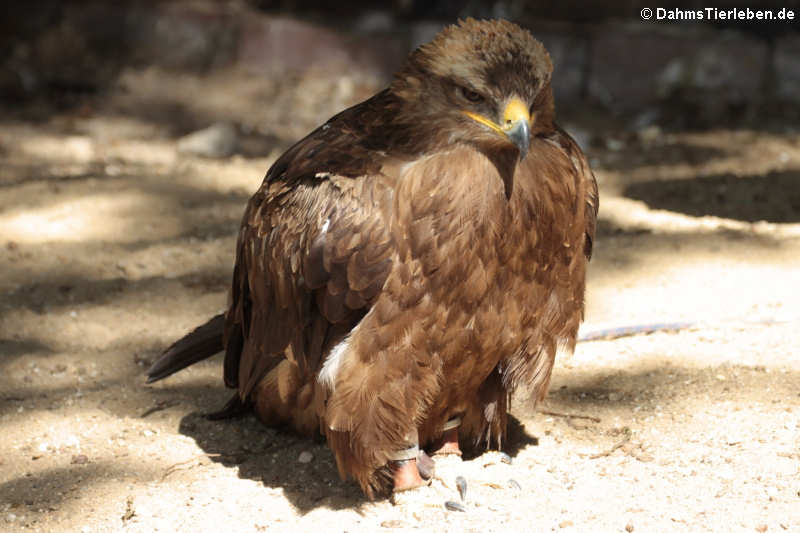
(405, 454)
(452, 423)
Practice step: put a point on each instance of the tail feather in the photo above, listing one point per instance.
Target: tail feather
(200, 344)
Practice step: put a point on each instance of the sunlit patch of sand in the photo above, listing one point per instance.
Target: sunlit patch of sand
(108, 216)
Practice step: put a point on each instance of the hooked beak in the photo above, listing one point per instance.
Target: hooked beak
(520, 135)
(516, 125)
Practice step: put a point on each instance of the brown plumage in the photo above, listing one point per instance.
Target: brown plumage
(416, 258)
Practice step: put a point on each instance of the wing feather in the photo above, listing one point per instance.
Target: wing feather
(313, 252)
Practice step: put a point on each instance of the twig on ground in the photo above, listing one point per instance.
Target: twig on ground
(160, 406)
(130, 510)
(569, 415)
(177, 466)
(627, 431)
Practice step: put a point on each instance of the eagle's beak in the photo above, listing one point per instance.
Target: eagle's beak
(517, 125)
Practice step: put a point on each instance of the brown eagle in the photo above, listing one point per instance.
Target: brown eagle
(408, 264)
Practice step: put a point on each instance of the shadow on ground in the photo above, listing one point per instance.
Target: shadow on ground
(774, 197)
(270, 456)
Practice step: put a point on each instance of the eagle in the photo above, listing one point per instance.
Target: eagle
(409, 264)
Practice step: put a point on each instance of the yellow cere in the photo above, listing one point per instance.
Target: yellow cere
(515, 111)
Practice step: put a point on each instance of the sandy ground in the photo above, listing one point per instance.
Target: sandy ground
(113, 244)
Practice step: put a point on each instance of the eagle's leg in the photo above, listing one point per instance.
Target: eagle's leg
(485, 420)
(369, 421)
(447, 444)
(408, 467)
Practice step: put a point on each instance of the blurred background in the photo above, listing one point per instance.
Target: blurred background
(133, 132)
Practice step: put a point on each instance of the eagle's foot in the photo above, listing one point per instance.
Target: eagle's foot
(411, 468)
(448, 442)
(406, 475)
(425, 465)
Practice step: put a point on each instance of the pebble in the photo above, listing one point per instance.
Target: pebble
(629, 527)
(461, 484)
(649, 134)
(565, 523)
(217, 141)
(455, 506)
(305, 457)
(392, 523)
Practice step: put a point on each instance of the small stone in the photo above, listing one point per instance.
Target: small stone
(505, 458)
(305, 457)
(649, 134)
(79, 459)
(565, 523)
(392, 523)
(455, 506)
(216, 141)
(10, 517)
(629, 527)
(461, 484)
(761, 528)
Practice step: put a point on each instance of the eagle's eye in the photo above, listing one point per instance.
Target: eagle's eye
(470, 95)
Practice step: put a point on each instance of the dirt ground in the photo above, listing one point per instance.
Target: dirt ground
(113, 244)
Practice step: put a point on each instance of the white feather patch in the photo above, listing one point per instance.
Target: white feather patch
(330, 368)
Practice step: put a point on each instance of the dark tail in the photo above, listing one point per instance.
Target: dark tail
(200, 344)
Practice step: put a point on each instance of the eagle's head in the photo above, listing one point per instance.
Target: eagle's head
(485, 83)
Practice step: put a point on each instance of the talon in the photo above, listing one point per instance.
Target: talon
(461, 484)
(425, 465)
(406, 475)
